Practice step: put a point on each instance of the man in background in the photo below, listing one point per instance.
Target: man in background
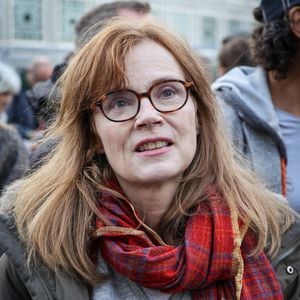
(39, 70)
(92, 21)
(235, 51)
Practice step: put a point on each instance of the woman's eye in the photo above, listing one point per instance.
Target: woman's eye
(119, 103)
(168, 93)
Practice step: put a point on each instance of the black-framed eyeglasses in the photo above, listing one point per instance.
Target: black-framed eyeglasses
(122, 105)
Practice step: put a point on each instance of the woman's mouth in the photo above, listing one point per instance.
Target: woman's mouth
(152, 146)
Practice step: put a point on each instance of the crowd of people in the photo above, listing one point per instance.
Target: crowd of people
(125, 173)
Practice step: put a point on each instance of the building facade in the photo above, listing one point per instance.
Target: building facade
(45, 27)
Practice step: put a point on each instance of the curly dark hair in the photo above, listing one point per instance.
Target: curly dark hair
(275, 46)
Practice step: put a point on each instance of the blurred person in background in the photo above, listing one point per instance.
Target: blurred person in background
(10, 85)
(39, 70)
(262, 104)
(142, 197)
(21, 113)
(92, 21)
(13, 154)
(235, 51)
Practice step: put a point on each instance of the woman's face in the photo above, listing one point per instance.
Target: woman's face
(154, 147)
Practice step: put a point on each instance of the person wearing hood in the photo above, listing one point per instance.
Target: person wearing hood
(261, 104)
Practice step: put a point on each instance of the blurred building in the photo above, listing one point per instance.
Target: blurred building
(35, 27)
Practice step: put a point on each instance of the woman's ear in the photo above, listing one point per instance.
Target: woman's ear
(294, 18)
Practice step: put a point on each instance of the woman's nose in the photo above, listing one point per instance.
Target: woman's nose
(147, 116)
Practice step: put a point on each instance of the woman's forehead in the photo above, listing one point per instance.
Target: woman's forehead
(148, 61)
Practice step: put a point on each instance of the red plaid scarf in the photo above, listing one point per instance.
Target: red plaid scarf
(210, 261)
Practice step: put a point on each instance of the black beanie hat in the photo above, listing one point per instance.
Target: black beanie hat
(276, 9)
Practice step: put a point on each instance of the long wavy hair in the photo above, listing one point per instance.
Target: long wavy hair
(57, 205)
(275, 45)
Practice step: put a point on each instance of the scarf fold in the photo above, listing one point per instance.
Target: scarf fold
(208, 262)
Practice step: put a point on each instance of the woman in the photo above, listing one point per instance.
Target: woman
(142, 197)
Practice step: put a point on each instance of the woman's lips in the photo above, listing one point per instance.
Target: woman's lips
(153, 145)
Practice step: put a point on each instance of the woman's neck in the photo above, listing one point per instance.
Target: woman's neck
(150, 201)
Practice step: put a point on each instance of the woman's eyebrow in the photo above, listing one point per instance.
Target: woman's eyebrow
(166, 78)
(158, 80)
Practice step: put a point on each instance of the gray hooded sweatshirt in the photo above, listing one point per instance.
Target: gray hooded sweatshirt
(253, 123)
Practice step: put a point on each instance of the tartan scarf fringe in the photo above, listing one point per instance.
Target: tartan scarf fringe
(213, 262)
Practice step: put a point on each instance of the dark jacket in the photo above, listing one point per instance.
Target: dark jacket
(19, 282)
(287, 262)
(22, 116)
(14, 157)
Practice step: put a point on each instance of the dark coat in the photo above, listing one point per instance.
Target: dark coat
(20, 283)
(17, 282)
(21, 115)
(14, 157)
(287, 262)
